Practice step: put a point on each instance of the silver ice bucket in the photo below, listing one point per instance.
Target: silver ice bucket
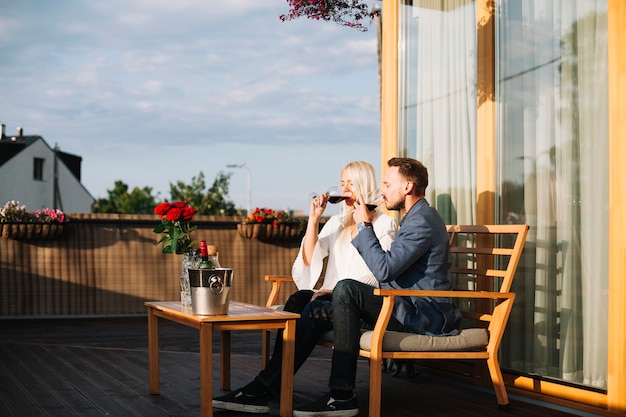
(210, 290)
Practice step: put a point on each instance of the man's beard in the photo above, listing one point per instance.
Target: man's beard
(394, 205)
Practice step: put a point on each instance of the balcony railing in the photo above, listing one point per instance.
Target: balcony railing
(109, 264)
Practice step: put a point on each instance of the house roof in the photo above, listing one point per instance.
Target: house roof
(11, 146)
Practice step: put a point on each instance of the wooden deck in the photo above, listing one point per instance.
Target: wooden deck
(99, 367)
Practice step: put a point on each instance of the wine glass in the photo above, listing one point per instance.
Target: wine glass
(315, 197)
(336, 195)
(373, 199)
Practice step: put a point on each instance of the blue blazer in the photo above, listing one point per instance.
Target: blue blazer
(419, 258)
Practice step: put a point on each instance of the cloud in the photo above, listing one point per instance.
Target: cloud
(138, 80)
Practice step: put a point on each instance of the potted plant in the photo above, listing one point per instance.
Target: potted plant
(268, 225)
(17, 223)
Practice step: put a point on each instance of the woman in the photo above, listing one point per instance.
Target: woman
(343, 261)
(333, 241)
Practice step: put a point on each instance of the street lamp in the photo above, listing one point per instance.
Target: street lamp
(244, 165)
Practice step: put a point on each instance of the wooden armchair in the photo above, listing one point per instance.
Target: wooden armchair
(484, 261)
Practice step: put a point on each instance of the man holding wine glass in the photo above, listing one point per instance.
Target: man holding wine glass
(331, 244)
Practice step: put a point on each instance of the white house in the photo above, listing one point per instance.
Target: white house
(39, 176)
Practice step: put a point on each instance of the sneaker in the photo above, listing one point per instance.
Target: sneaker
(240, 401)
(327, 406)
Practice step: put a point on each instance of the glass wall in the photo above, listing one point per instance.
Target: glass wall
(437, 100)
(552, 168)
(551, 160)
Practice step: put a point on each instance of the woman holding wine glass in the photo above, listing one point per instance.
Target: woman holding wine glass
(333, 241)
(333, 244)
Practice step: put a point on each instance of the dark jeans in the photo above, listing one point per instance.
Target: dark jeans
(353, 305)
(298, 300)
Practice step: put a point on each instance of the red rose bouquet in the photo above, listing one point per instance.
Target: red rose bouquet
(175, 219)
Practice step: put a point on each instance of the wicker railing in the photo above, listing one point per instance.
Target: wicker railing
(107, 264)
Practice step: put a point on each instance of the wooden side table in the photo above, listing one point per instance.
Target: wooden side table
(241, 316)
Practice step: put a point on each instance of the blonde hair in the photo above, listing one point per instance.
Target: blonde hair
(364, 181)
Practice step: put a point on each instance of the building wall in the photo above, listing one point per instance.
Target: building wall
(18, 183)
(617, 205)
(615, 397)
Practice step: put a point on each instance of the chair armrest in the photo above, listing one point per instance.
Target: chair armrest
(276, 280)
(497, 320)
(443, 294)
(503, 307)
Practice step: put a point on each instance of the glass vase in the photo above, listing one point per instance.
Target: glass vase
(191, 259)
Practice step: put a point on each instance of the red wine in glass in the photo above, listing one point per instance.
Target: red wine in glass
(334, 199)
(373, 200)
(335, 195)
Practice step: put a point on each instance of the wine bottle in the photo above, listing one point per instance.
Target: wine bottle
(213, 256)
(205, 262)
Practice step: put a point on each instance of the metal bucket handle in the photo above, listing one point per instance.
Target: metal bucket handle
(216, 285)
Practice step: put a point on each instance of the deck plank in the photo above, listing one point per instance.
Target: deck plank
(99, 367)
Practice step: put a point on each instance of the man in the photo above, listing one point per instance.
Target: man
(418, 259)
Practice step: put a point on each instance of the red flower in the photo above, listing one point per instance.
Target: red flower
(173, 214)
(269, 216)
(175, 218)
(162, 209)
(188, 213)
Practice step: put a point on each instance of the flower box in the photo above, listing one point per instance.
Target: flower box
(283, 232)
(32, 230)
(268, 225)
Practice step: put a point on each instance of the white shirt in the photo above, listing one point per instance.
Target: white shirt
(344, 261)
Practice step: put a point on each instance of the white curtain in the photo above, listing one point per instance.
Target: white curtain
(437, 84)
(553, 174)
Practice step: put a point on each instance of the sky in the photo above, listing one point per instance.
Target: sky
(152, 92)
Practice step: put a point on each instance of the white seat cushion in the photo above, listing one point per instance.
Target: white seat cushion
(467, 339)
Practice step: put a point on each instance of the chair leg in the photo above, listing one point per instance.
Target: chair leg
(498, 382)
(376, 377)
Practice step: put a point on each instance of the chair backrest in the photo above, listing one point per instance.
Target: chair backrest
(484, 258)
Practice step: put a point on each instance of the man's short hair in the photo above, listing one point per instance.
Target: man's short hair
(412, 170)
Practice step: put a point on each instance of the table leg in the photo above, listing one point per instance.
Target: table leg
(225, 360)
(286, 390)
(206, 371)
(153, 351)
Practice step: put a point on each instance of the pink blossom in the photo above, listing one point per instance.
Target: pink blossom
(347, 13)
